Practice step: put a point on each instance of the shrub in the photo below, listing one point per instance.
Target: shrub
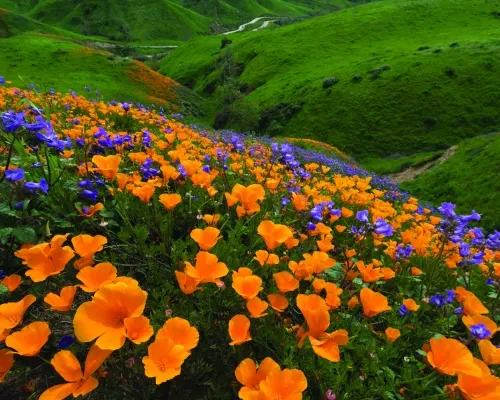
(450, 72)
(329, 82)
(357, 78)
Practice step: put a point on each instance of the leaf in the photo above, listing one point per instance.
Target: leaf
(3, 289)
(5, 209)
(5, 234)
(25, 234)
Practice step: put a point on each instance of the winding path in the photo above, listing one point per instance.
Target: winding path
(242, 27)
(264, 25)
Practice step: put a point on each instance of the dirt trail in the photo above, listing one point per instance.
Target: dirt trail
(412, 172)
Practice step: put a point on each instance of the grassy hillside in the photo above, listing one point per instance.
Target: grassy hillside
(470, 178)
(438, 83)
(151, 20)
(56, 62)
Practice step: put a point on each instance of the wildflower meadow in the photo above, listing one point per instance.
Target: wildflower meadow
(145, 258)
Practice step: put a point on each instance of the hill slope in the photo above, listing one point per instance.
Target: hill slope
(433, 81)
(474, 167)
(161, 19)
(56, 62)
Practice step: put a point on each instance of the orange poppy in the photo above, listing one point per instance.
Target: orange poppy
(211, 219)
(471, 304)
(169, 201)
(11, 314)
(480, 319)
(263, 257)
(86, 246)
(416, 271)
(180, 332)
(107, 166)
(273, 234)
(6, 361)
(78, 383)
(90, 211)
(12, 282)
(206, 238)
(64, 301)
(105, 317)
(278, 302)
(299, 201)
(187, 284)
(247, 196)
(490, 353)
(138, 329)
(248, 286)
(411, 305)
(325, 244)
(29, 340)
(284, 385)
(318, 285)
(315, 311)
(164, 360)
(207, 269)
(353, 302)
(256, 307)
(250, 376)
(93, 278)
(239, 330)
(46, 259)
(3, 334)
(327, 345)
(449, 356)
(373, 303)
(144, 192)
(392, 334)
(286, 281)
(483, 387)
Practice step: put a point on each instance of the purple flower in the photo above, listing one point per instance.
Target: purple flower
(14, 175)
(458, 311)
(450, 296)
(42, 186)
(2, 80)
(479, 331)
(403, 310)
(285, 201)
(274, 147)
(464, 249)
(383, 228)
(330, 395)
(2, 274)
(126, 107)
(19, 205)
(12, 121)
(90, 194)
(206, 168)
(311, 226)
(362, 216)
(38, 164)
(438, 300)
(448, 210)
(65, 342)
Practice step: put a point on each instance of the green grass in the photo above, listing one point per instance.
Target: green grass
(160, 19)
(64, 65)
(386, 166)
(414, 107)
(469, 179)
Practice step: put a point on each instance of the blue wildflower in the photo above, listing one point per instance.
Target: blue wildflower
(19, 205)
(2, 80)
(66, 342)
(14, 175)
(450, 296)
(479, 331)
(90, 194)
(362, 216)
(448, 210)
(311, 226)
(42, 186)
(383, 228)
(438, 300)
(2, 274)
(403, 310)
(458, 311)
(464, 249)
(12, 121)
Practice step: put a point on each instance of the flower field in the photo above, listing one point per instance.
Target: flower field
(143, 258)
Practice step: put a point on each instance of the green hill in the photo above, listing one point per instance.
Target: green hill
(426, 75)
(51, 61)
(129, 20)
(469, 178)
